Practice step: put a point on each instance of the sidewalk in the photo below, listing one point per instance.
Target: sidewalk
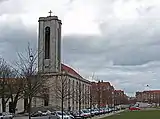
(107, 115)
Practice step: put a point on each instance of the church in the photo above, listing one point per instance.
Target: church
(77, 89)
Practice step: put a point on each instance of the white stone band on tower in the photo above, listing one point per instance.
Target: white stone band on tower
(49, 44)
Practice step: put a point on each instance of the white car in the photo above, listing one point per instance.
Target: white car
(85, 113)
(6, 116)
(59, 114)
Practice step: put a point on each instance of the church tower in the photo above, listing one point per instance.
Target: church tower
(49, 44)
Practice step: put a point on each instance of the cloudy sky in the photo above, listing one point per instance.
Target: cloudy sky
(116, 40)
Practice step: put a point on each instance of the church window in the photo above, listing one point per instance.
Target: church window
(47, 42)
(59, 45)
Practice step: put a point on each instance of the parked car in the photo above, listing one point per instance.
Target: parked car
(59, 114)
(106, 110)
(110, 110)
(134, 108)
(92, 112)
(96, 111)
(85, 113)
(76, 115)
(6, 115)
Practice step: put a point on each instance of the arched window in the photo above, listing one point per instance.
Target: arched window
(47, 42)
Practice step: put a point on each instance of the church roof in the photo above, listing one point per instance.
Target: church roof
(70, 70)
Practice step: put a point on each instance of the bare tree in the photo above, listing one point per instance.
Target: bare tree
(15, 87)
(11, 86)
(93, 97)
(34, 82)
(4, 75)
(81, 95)
(62, 89)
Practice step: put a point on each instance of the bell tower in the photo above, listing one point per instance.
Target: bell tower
(49, 44)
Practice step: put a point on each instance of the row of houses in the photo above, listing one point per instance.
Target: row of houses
(104, 95)
(151, 96)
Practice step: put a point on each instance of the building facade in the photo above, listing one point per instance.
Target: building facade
(76, 90)
(152, 96)
(102, 94)
(120, 97)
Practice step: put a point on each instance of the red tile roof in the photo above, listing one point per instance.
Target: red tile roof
(70, 70)
(153, 91)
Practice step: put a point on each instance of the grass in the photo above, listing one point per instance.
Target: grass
(154, 114)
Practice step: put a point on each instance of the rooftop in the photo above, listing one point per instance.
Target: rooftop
(70, 70)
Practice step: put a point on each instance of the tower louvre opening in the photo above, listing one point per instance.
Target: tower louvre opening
(47, 42)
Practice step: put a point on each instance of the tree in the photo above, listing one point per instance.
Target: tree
(93, 96)
(33, 81)
(11, 85)
(4, 75)
(15, 87)
(62, 89)
(82, 95)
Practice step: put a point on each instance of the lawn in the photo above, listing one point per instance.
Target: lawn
(154, 114)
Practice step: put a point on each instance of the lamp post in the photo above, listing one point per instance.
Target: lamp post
(29, 81)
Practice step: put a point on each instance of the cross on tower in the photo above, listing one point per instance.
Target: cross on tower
(50, 13)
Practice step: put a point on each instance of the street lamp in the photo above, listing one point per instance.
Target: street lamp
(30, 74)
(63, 72)
(31, 64)
(31, 57)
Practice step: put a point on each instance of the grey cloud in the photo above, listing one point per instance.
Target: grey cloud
(132, 78)
(2, 1)
(15, 39)
(121, 49)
